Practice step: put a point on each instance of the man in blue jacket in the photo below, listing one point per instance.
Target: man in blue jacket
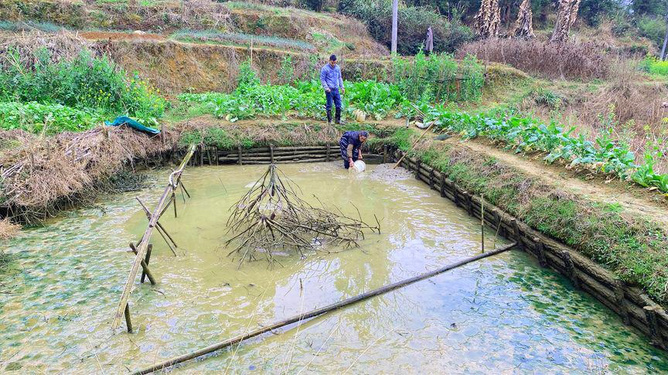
(351, 146)
(332, 82)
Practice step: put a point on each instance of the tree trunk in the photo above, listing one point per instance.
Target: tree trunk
(566, 17)
(488, 19)
(395, 21)
(665, 42)
(524, 24)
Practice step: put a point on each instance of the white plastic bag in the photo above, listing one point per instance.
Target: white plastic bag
(359, 166)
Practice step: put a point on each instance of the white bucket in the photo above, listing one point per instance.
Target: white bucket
(359, 166)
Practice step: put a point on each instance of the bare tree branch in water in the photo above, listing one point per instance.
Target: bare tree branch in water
(271, 217)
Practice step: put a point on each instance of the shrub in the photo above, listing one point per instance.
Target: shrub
(652, 28)
(654, 66)
(439, 77)
(315, 5)
(568, 60)
(84, 82)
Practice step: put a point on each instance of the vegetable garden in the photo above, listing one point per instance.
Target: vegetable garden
(51, 97)
(40, 95)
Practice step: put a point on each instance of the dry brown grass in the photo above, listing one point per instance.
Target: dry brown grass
(584, 61)
(39, 175)
(62, 45)
(8, 230)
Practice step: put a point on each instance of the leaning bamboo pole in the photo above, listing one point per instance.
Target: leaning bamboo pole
(413, 146)
(320, 311)
(174, 180)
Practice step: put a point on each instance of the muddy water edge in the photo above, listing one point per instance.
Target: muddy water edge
(499, 314)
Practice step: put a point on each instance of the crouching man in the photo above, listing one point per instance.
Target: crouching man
(351, 146)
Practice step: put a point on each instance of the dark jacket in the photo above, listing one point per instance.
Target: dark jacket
(350, 138)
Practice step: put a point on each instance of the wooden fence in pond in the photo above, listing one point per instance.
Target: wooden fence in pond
(634, 306)
(266, 155)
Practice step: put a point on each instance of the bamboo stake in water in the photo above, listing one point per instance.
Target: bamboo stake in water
(413, 146)
(143, 244)
(482, 220)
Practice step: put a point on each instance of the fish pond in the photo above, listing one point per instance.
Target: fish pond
(500, 314)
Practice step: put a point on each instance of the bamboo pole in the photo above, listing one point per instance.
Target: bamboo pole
(482, 222)
(317, 312)
(143, 246)
(414, 144)
(161, 229)
(145, 270)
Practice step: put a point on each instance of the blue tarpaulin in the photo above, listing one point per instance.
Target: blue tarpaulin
(123, 120)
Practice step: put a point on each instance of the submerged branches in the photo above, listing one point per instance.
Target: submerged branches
(272, 218)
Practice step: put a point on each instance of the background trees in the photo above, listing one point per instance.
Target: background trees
(454, 21)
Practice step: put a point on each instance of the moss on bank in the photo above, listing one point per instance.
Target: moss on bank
(633, 248)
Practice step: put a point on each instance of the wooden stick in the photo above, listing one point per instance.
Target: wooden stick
(143, 246)
(161, 230)
(174, 203)
(144, 266)
(314, 313)
(413, 146)
(128, 320)
(183, 186)
(482, 221)
(147, 260)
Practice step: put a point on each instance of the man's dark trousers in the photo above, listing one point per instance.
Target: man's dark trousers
(335, 96)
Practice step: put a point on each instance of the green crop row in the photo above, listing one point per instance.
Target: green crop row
(530, 135)
(303, 98)
(46, 118)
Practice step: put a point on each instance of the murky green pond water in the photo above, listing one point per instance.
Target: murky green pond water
(499, 315)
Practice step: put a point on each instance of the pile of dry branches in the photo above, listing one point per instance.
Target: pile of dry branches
(271, 217)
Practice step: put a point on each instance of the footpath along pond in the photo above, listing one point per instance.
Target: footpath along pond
(500, 314)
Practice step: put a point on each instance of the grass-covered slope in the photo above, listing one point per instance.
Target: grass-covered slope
(228, 23)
